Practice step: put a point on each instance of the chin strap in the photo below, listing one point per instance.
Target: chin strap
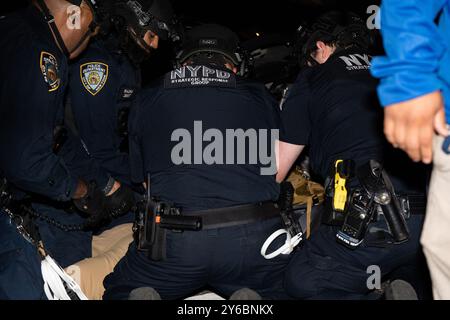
(52, 25)
(90, 32)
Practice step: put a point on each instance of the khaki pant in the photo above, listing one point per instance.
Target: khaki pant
(107, 249)
(436, 232)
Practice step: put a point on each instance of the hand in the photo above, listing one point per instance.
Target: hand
(410, 125)
(92, 202)
(81, 190)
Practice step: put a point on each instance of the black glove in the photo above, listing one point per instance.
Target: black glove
(120, 202)
(93, 203)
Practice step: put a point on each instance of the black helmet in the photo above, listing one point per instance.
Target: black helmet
(144, 15)
(130, 20)
(139, 15)
(345, 29)
(211, 38)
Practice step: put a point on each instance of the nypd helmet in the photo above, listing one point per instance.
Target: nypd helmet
(345, 29)
(210, 41)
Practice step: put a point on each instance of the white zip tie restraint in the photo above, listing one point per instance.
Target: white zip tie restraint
(289, 245)
(55, 278)
(53, 275)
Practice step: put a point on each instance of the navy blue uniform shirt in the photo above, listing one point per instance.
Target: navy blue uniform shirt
(215, 99)
(333, 109)
(33, 74)
(103, 83)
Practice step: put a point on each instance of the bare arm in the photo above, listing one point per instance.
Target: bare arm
(286, 154)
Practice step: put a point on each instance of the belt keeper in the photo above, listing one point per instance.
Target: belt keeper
(406, 209)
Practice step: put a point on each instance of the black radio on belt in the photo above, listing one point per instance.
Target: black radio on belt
(360, 213)
(152, 221)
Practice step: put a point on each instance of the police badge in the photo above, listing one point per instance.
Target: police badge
(49, 68)
(93, 76)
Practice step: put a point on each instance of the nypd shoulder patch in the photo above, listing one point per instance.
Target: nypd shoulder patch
(49, 68)
(199, 76)
(94, 76)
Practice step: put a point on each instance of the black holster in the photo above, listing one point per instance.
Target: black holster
(153, 219)
(377, 183)
(374, 197)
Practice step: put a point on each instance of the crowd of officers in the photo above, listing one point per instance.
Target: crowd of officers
(81, 144)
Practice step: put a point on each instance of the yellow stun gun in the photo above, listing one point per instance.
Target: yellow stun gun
(340, 191)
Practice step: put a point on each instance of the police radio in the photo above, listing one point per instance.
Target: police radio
(153, 219)
(360, 213)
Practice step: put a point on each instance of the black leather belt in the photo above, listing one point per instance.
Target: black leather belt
(236, 215)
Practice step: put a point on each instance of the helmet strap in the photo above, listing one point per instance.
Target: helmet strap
(52, 25)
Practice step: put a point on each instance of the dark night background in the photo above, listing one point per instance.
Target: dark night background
(274, 21)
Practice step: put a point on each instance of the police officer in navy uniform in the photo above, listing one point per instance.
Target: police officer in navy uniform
(102, 84)
(204, 93)
(36, 47)
(332, 109)
(106, 78)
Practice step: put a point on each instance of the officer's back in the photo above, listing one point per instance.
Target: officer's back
(177, 112)
(341, 118)
(204, 136)
(339, 100)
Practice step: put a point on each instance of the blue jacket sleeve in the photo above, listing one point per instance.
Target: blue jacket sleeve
(414, 47)
(27, 111)
(80, 164)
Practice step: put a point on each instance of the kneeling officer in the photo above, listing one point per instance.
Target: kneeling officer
(231, 199)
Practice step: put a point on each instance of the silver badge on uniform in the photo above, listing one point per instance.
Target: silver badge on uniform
(94, 76)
